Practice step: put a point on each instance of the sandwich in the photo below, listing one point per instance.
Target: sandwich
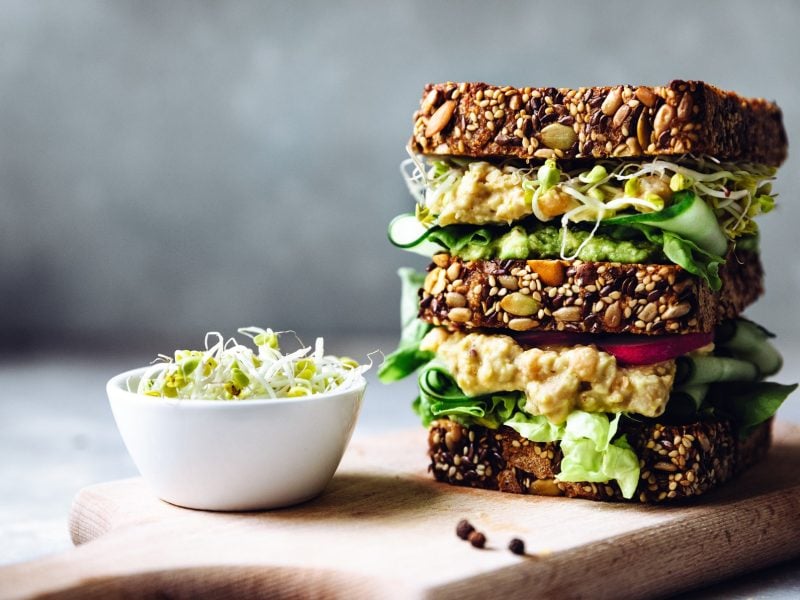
(579, 330)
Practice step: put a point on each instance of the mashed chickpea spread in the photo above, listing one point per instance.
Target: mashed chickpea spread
(485, 194)
(556, 380)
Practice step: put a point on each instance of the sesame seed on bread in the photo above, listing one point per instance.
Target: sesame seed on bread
(481, 120)
(584, 297)
(676, 461)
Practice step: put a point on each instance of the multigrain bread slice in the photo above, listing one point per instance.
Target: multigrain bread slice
(676, 461)
(584, 297)
(481, 120)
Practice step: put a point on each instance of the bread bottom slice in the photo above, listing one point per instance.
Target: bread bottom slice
(676, 461)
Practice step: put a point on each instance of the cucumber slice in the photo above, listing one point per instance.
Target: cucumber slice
(406, 232)
(750, 342)
(689, 217)
(698, 370)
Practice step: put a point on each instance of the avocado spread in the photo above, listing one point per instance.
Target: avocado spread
(544, 241)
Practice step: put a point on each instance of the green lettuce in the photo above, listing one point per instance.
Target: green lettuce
(536, 428)
(687, 254)
(466, 241)
(440, 396)
(689, 217)
(592, 454)
(729, 383)
(749, 403)
(408, 357)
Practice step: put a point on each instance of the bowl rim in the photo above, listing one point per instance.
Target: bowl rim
(118, 381)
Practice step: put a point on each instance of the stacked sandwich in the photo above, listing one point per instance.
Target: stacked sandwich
(579, 329)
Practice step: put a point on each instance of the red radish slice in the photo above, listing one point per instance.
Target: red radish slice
(633, 350)
(628, 349)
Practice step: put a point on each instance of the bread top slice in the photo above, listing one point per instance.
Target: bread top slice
(584, 297)
(482, 120)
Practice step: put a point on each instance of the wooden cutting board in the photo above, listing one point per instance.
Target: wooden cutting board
(384, 529)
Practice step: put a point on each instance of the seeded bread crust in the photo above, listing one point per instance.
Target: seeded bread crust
(676, 461)
(481, 120)
(584, 297)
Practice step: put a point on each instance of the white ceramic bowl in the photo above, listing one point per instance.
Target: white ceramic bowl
(236, 455)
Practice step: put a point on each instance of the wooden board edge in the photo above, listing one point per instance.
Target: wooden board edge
(757, 535)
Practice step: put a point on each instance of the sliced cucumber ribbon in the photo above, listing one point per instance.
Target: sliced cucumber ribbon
(748, 341)
(406, 232)
(690, 217)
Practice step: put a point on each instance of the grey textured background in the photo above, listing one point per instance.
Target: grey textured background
(167, 168)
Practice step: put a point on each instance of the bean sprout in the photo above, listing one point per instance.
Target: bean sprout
(227, 370)
(736, 192)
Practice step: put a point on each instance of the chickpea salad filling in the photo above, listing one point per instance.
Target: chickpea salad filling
(478, 192)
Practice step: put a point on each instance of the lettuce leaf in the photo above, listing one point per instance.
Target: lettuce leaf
(591, 453)
(535, 428)
(461, 239)
(440, 396)
(402, 362)
(687, 254)
(408, 357)
(749, 403)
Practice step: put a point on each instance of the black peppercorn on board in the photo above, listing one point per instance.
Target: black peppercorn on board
(384, 529)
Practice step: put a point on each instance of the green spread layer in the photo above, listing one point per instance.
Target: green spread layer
(539, 240)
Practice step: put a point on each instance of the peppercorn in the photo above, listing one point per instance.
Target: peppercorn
(477, 539)
(464, 528)
(517, 546)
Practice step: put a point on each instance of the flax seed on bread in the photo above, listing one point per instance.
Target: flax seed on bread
(677, 461)
(584, 297)
(481, 120)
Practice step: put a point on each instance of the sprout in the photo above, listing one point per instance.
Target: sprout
(631, 188)
(736, 192)
(267, 338)
(189, 365)
(548, 175)
(597, 175)
(679, 182)
(231, 371)
(597, 193)
(304, 368)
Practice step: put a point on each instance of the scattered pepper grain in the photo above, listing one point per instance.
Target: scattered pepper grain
(517, 546)
(464, 529)
(477, 539)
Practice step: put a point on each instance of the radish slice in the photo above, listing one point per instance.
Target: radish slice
(627, 349)
(633, 350)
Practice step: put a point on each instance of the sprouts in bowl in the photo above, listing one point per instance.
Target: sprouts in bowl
(228, 370)
(229, 428)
